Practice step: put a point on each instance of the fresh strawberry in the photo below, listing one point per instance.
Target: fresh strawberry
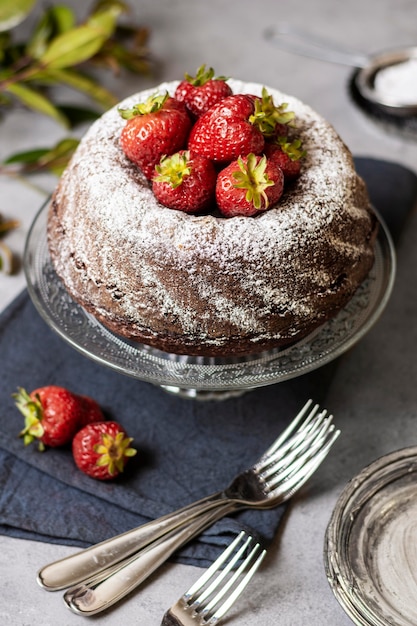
(185, 182)
(248, 186)
(154, 128)
(91, 411)
(225, 132)
(102, 449)
(202, 91)
(237, 126)
(52, 415)
(287, 155)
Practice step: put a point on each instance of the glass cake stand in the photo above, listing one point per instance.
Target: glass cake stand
(203, 377)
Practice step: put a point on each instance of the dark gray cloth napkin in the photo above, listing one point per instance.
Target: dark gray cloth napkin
(186, 449)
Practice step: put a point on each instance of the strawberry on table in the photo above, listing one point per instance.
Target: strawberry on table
(91, 411)
(287, 155)
(248, 186)
(202, 91)
(159, 126)
(52, 415)
(185, 182)
(102, 449)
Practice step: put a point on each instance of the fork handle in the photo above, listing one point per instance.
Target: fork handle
(89, 599)
(88, 563)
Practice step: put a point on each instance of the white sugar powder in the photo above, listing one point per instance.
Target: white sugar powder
(398, 83)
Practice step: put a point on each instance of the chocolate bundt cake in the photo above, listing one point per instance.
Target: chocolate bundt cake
(205, 284)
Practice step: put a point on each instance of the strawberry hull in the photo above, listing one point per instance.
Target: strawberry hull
(53, 415)
(185, 182)
(102, 449)
(203, 91)
(234, 200)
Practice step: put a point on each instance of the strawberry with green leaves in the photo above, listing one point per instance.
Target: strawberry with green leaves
(248, 186)
(237, 126)
(287, 155)
(185, 182)
(202, 91)
(271, 119)
(102, 449)
(159, 126)
(52, 415)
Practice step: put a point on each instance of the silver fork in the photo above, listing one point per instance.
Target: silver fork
(249, 485)
(109, 572)
(274, 479)
(215, 592)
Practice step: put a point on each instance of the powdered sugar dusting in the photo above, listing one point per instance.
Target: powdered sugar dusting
(153, 264)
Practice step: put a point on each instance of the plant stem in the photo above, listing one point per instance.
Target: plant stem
(26, 73)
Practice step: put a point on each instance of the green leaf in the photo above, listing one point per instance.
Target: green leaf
(105, 5)
(63, 18)
(81, 43)
(12, 12)
(72, 47)
(56, 160)
(107, 12)
(29, 156)
(53, 159)
(80, 82)
(55, 21)
(36, 101)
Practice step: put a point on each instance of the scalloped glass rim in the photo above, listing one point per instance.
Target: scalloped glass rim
(84, 333)
(374, 509)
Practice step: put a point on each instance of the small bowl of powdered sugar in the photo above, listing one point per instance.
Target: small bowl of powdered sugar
(390, 81)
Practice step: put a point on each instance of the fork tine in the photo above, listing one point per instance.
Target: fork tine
(300, 441)
(308, 442)
(256, 553)
(239, 588)
(309, 451)
(309, 469)
(203, 605)
(189, 595)
(289, 482)
(292, 426)
(199, 598)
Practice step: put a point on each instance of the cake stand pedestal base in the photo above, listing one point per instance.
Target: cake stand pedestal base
(202, 394)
